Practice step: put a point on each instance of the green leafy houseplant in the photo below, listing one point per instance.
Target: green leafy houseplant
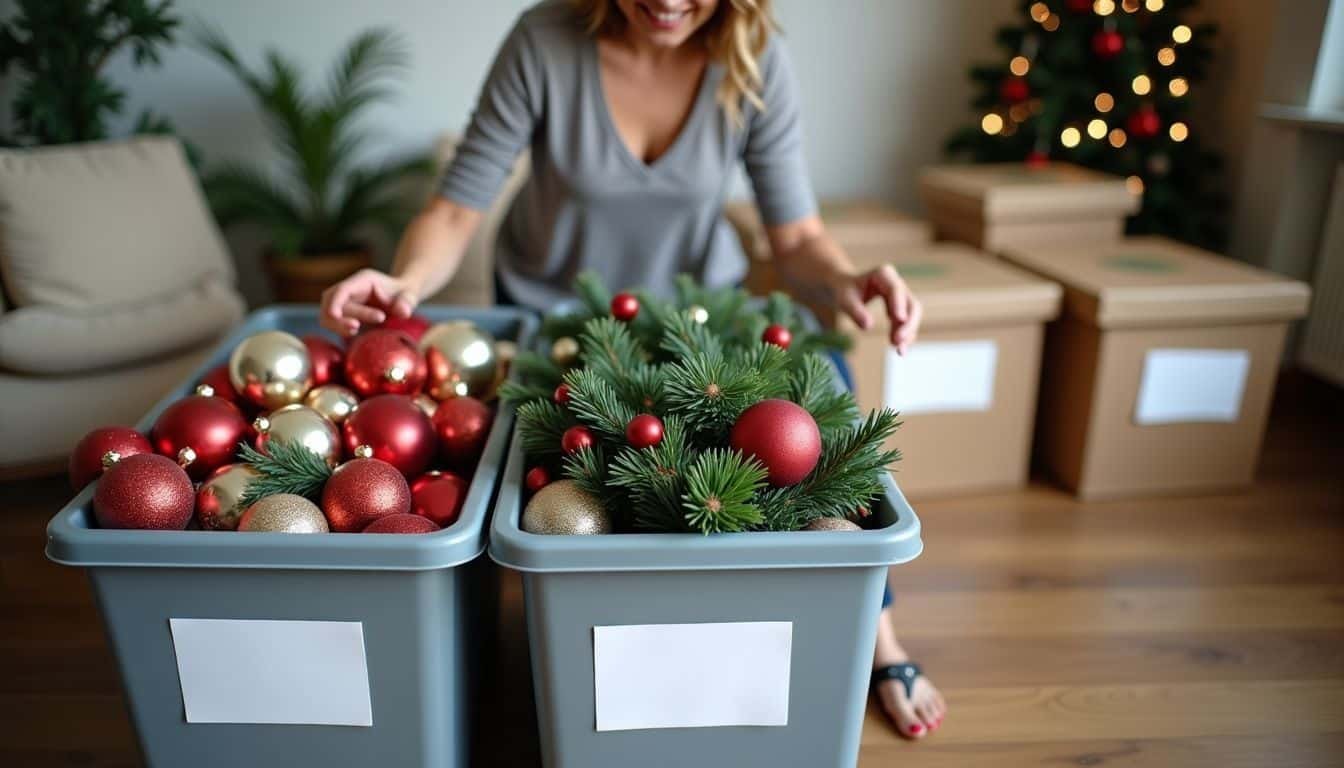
(315, 210)
(60, 48)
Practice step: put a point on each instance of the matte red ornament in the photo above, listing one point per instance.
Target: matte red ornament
(86, 460)
(217, 379)
(1014, 90)
(401, 524)
(145, 491)
(624, 307)
(440, 499)
(644, 431)
(576, 439)
(536, 479)
(1037, 159)
(395, 429)
(1144, 123)
(199, 432)
(328, 359)
(383, 362)
(1107, 44)
(413, 326)
(361, 491)
(782, 436)
(561, 395)
(777, 335)
(462, 425)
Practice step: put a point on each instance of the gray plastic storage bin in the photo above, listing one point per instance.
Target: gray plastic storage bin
(426, 603)
(828, 584)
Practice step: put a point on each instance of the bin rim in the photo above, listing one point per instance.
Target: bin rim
(72, 541)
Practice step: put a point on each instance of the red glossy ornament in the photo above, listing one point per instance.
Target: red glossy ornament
(217, 379)
(440, 499)
(395, 430)
(536, 479)
(782, 436)
(576, 439)
(1144, 123)
(1107, 44)
(644, 431)
(624, 307)
(201, 433)
(327, 357)
(462, 425)
(144, 491)
(1014, 90)
(361, 491)
(384, 362)
(413, 326)
(561, 395)
(777, 335)
(86, 460)
(401, 524)
(1037, 159)
(423, 480)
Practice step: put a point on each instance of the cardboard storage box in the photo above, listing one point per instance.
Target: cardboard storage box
(1012, 205)
(1159, 372)
(872, 234)
(967, 389)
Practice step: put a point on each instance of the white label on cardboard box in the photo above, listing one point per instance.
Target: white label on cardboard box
(262, 671)
(941, 377)
(692, 675)
(1191, 385)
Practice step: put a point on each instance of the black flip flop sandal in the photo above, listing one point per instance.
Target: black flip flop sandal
(906, 672)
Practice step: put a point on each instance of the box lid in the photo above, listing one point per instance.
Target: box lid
(1003, 192)
(960, 286)
(1153, 281)
(852, 223)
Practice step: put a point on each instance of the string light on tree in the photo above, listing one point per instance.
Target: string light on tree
(1141, 85)
(1135, 185)
(1104, 7)
(1117, 138)
(1130, 6)
(1070, 137)
(1154, 6)
(1039, 12)
(1019, 113)
(1019, 65)
(1178, 131)
(991, 123)
(1166, 56)
(1051, 23)
(1096, 128)
(1181, 34)
(1178, 87)
(1104, 102)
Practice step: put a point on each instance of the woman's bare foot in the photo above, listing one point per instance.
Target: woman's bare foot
(915, 715)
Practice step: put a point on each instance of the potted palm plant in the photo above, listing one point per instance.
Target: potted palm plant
(317, 209)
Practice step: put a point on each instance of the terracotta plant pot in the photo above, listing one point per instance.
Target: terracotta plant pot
(303, 279)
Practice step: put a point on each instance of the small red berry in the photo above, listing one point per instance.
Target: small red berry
(561, 396)
(624, 307)
(777, 335)
(536, 479)
(644, 430)
(576, 439)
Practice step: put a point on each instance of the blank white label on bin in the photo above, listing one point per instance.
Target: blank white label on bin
(941, 377)
(263, 671)
(1190, 385)
(692, 675)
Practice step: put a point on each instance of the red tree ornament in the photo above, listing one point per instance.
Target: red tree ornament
(361, 491)
(777, 335)
(1107, 44)
(425, 479)
(327, 357)
(440, 499)
(576, 439)
(201, 433)
(144, 491)
(782, 436)
(86, 460)
(462, 425)
(624, 307)
(536, 479)
(413, 326)
(1144, 123)
(401, 524)
(217, 379)
(1014, 90)
(395, 430)
(644, 431)
(1037, 159)
(384, 362)
(1079, 6)
(561, 395)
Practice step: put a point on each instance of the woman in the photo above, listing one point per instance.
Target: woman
(636, 113)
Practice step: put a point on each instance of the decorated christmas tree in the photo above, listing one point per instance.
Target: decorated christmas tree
(702, 414)
(1106, 84)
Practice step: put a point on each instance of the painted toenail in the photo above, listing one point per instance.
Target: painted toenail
(916, 728)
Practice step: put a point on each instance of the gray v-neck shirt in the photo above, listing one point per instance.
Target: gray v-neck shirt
(588, 203)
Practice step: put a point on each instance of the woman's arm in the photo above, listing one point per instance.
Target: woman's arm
(816, 267)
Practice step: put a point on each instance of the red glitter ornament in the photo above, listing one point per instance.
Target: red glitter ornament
(201, 433)
(145, 491)
(395, 430)
(644, 431)
(576, 439)
(401, 524)
(327, 357)
(1014, 90)
(462, 425)
(361, 491)
(624, 307)
(777, 335)
(217, 379)
(536, 479)
(561, 395)
(384, 362)
(1107, 44)
(440, 499)
(782, 436)
(413, 326)
(87, 459)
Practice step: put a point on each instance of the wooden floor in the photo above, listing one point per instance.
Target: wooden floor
(1199, 631)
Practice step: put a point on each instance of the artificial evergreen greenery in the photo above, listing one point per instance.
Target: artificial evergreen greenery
(286, 467)
(697, 378)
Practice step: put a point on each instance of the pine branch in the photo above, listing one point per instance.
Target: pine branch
(813, 385)
(541, 423)
(720, 485)
(593, 292)
(710, 392)
(287, 467)
(683, 338)
(609, 348)
(588, 469)
(512, 391)
(595, 402)
(655, 479)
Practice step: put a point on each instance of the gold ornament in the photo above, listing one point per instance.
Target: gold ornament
(272, 369)
(303, 425)
(427, 404)
(831, 524)
(363, 452)
(565, 351)
(217, 499)
(699, 315)
(461, 361)
(205, 390)
(332, 400)
(505, 351)
(283, 513)
(562, 508)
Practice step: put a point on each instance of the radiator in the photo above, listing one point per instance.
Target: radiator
(1322, 350)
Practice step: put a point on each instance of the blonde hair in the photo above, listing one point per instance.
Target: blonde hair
(735, 36)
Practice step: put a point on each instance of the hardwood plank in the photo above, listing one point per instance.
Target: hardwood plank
(78, 722)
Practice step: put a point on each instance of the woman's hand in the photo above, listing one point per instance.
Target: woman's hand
(368, 296)
(852, 296)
